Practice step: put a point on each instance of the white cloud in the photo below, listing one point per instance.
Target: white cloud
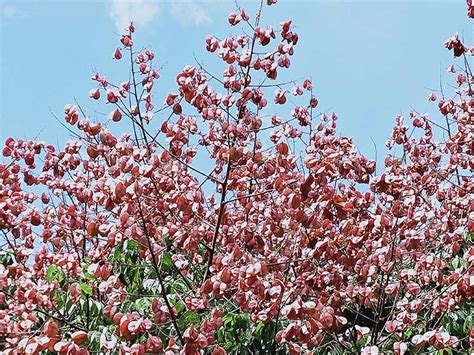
(142, 12)
(189, 12)
(9, 11)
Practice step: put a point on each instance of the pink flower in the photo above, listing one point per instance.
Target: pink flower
(170, 99)
(234, 18)
(150, 54)
(125, 85)
(94, 94)
(144, 68)
(71, 114)
(115, 115)
(117, 54)
(470, 8)
(307, 85)
(112, 97)
(313, 102)
(456, 45)
(280, 97)
(126, 41)
(212, 44)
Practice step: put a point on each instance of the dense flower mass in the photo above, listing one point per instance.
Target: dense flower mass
(291, 241)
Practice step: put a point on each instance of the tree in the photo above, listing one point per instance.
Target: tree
(292, 242)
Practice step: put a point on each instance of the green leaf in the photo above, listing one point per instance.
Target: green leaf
(468, 323)
(86, 289)
(188, 318)
(54, 273)
(89, 277)
(142, 304)
(51, 273)
(6, 257)
(118, 253)
(180, 307)
(259, 327)
(166, 260)
(131, 245)
(227, 320)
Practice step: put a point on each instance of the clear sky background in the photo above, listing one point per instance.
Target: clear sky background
(369, 60)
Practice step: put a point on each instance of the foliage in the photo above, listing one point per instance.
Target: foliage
(292, 243)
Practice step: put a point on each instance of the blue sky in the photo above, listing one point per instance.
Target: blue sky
(369, 61)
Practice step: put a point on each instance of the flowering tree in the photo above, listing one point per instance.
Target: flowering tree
(290, 241)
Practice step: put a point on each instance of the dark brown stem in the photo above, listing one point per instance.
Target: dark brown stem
(158, 274)
(242, 110)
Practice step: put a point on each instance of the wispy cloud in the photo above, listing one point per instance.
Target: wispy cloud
(189, 13)
(9, 11)
(143, 12)
(140, 11)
